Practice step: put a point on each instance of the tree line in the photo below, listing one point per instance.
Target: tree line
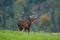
(12, 10)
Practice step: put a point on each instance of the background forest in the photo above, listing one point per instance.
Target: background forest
(12, 10)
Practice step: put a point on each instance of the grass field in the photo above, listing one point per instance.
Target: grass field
(16, 35)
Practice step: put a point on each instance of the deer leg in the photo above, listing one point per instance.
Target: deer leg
(28, 29)
(41, 28)
(20, 28)
(25, 29)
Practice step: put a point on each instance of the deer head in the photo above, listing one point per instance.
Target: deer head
(33, 18)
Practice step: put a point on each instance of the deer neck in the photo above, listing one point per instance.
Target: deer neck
(31, 21)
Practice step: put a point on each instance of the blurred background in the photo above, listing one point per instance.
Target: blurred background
(12, 10)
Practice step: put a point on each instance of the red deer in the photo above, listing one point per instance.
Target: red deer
(25, 24)
(44, 20)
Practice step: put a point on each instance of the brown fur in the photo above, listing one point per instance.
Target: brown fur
(44, 18)
(24, 24)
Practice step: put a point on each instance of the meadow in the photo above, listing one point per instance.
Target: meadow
(17, 35)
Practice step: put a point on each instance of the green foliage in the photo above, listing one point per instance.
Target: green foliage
(11, 12)
(22, 2)
(16, 35)
(52, 1)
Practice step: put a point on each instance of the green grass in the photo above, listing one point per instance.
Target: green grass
(16, 35)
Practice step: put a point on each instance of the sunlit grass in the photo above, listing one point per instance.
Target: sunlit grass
(17, 35)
